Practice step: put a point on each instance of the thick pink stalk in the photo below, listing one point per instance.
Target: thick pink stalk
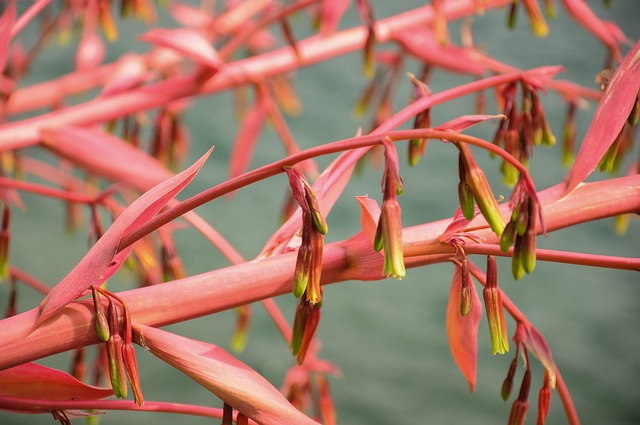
(232, 286)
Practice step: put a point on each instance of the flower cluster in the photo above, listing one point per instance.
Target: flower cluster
(522, 129)
(522, 230)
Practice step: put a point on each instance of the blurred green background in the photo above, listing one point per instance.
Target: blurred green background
(387, 337)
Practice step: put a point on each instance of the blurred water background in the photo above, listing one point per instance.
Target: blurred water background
(388, 337)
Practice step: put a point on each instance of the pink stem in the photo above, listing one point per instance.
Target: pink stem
(229, 287)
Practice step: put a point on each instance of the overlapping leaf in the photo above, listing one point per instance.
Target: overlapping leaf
(462, 331)
(33, 381)
(610, 116)
(103, 259)
(225, 376)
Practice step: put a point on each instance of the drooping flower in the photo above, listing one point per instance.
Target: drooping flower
(495, 311)
(389, 230)
(306, 278)
(304, 328)
(476, 181)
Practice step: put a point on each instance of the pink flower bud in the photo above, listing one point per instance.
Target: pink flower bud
(117, 373)
(466, 297)
(495, 312)
(102, 325)
(507, 384)
(544, 400)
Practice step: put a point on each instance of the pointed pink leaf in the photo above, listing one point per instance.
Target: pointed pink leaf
(187, 42)
(421, 42)
(33, 381)
(462, 123)
(369, 215)
(225, 376)
(247, 137)
(6, 23)
(103, 260)
(106, 155)
(612, 112)
(457, 225)
(462, 331)
(537, 345)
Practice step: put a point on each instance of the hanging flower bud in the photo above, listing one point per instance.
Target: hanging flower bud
(117, 373)
(544, 399)
(465, 196)
(495, 312)
(227, 414)
(569, 135)
(521, 404)
(538, 23)
(241, 419)
(4, 243)
(304, 327)
(466, 297)
(417, 147)
(365, 10)
(325, 401)
(239, 339)
(507, 384)
(308, 269)
(389, 231)
(479, 187)
(102, 325)
(131, 368)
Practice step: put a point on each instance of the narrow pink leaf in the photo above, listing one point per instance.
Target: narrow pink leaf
(612, 112)
(225, 376)
(247, 137)
(33, 381)
(105, 155)
(369, 215)
(421, 42)
(102, 260)
(187, 42)
(462, 331)
(462, 123)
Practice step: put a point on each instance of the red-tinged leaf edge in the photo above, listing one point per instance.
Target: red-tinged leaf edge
(33, 381)
(187, 42)
(537, 345)
(103, 260)
(462, 331)
(232, 381)
(612, 112)
(369, 215)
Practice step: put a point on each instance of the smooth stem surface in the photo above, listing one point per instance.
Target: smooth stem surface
(232, 286)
